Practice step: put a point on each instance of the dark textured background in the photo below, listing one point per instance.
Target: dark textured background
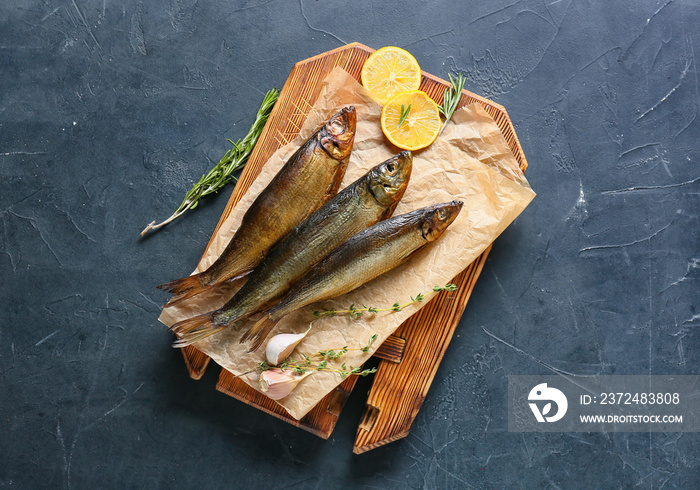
(109, 110)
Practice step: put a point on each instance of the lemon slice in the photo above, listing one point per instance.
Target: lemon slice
(420, 126)
(390, 71)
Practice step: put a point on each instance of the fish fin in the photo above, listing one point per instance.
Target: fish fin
(337, 179)
(195, 329)
(259, 332)
(184, 288)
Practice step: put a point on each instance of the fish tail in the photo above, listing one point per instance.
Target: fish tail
(259, 331)
(194, 329)
(184, 288)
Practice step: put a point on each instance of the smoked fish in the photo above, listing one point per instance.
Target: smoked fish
(311, 176)
(365, 256)
(370, 199)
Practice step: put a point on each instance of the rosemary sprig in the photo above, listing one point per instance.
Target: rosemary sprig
(353, 312)
(404, 114)
(318, 361)
(234, 159)
(451, 97)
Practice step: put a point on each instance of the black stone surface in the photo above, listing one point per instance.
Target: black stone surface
(109, 110)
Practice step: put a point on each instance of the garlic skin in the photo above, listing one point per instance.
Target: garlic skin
(281, 345)
(278, 383)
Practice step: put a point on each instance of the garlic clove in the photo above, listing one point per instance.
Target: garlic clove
(281, 345)
(278, 383)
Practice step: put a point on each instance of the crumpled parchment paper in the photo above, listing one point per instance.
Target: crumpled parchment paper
(470, 161)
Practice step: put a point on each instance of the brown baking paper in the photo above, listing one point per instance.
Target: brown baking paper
(470, 161)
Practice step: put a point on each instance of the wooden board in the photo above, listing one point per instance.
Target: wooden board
(398, 389)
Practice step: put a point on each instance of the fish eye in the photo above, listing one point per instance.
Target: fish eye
(391, 167)
(441, 213)
(336, 126)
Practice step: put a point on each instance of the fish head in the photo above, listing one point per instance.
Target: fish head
(389, 179)
(437, 218)
(338, 134)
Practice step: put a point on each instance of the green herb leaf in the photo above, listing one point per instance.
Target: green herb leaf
(450, 98)
(234, 160)
(354, 312)
(319, 361)
(404, 114)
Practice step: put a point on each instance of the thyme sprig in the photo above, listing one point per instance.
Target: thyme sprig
(353, 312)
(319, 361)
(451, 97)
(234, 160)
(404, 114)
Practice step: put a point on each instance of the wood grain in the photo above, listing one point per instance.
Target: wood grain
(398, 389)
(320, 420)
(392, 349)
